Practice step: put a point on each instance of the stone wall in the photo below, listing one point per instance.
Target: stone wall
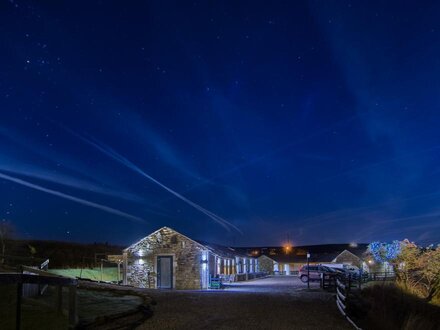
(142, 258)
(266, 264)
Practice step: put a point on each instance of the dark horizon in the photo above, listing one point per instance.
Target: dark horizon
(308, 122)
(18, 239)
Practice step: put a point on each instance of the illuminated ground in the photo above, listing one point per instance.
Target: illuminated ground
(274, 285)
(270, 303)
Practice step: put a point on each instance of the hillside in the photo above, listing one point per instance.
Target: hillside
(61, 254)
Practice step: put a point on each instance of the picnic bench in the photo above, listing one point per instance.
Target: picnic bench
(215, 283)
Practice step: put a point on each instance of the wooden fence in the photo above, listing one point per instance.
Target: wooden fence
(16, 261)
(344, 286)
(283, 272)
(328, 280)
(33, 290)
(381, 276)
(247, 276)
(20, 280)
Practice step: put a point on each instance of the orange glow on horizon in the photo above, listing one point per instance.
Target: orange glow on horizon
(287, 247)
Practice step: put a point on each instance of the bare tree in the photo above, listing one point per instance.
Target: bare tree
(6, 233)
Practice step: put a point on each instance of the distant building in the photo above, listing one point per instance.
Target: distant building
(168, 259)
(278, 260)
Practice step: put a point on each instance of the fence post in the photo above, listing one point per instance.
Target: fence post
(18, 307)
(72, 306)
(124, 269)
(59, 302)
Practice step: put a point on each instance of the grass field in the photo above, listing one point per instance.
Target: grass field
(108, 274)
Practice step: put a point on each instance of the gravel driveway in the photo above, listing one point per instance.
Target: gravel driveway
(269, 303)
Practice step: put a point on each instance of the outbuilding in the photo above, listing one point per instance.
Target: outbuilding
(167, 259)
(279, 261)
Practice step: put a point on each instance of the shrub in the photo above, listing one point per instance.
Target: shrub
(389, 307)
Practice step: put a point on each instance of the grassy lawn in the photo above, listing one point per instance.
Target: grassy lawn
(108, 274)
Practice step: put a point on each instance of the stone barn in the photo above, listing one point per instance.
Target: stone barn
(167, 259)
(267, 264)
(276, 260)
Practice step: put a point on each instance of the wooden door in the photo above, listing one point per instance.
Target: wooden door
(165, 272)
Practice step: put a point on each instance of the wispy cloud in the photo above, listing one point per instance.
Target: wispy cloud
(366, 167)
(32, 171)
(71, 198)
(381, 213)
(166, 153)
(124, 161)
(59, 159)
(277, 150)
(418, 229)
(414, 217)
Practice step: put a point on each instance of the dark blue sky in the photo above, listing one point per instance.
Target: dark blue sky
(314, 121)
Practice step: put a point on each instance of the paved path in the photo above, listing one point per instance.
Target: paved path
(272, 285)
(270, 303)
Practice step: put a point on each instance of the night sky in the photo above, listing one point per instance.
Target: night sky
(240, 122)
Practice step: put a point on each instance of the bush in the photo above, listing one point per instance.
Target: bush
(388, 307)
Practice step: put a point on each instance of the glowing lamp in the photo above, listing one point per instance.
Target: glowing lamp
(287, 248)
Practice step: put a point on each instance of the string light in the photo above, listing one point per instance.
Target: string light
(383, 252)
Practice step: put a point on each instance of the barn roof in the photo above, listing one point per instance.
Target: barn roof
(154, 232)
(219, 250)
(298, 254)
(223, 251)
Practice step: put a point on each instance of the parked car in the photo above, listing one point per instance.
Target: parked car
(352, 271)
(314, 272)
(340, 271)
